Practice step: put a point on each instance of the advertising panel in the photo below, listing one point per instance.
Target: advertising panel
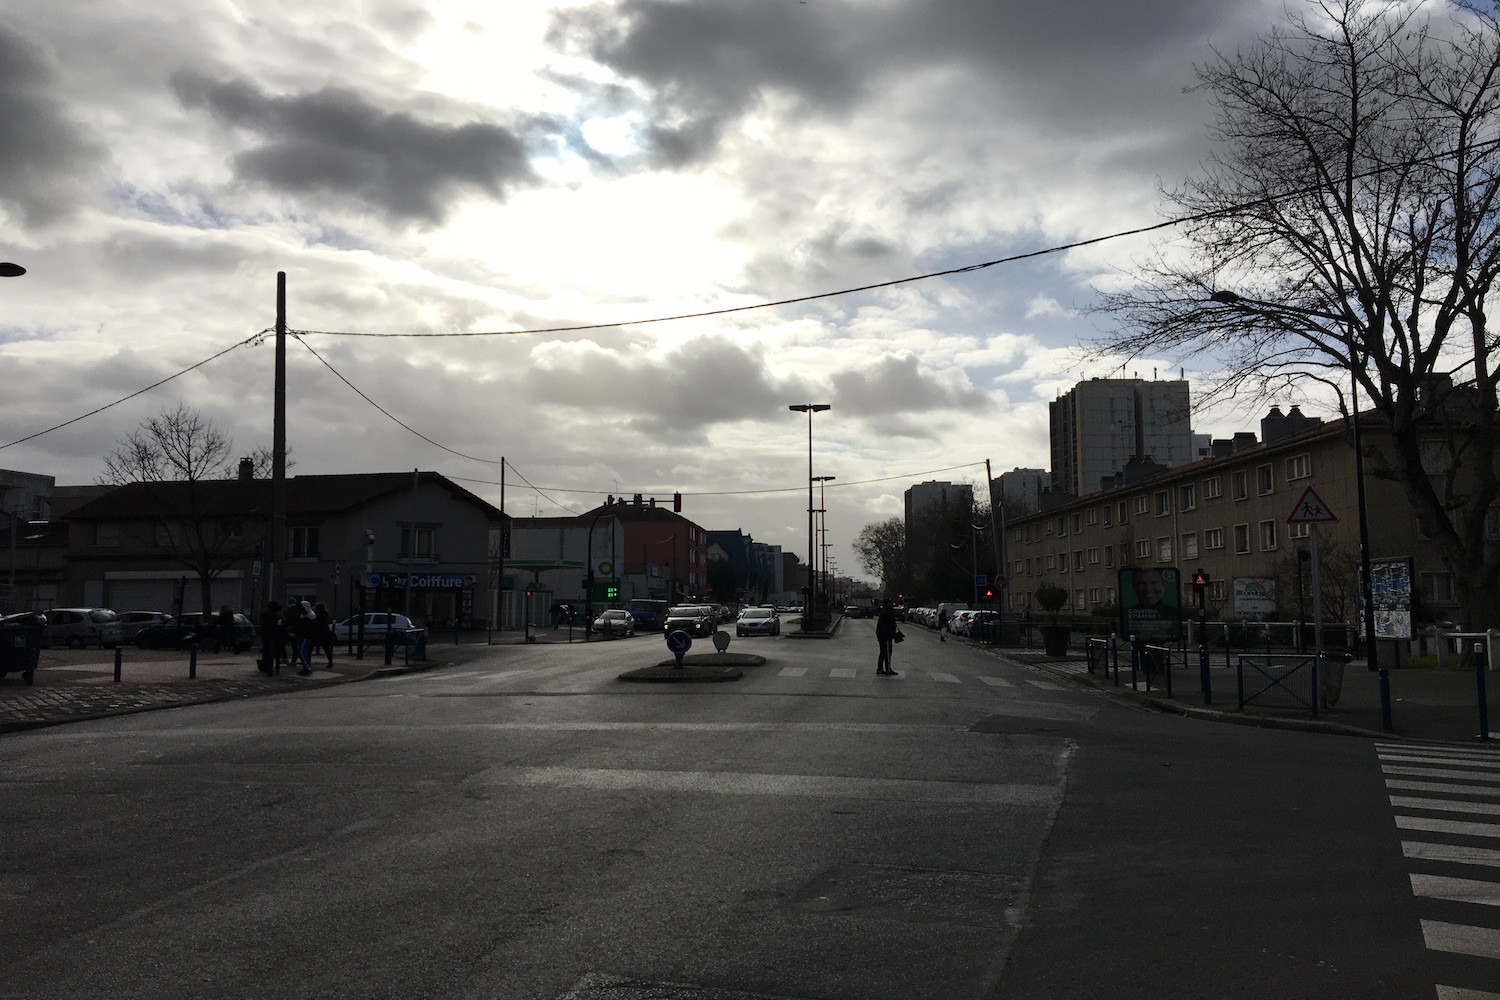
(1151, 603)
(1255, 597)
(1390, 592)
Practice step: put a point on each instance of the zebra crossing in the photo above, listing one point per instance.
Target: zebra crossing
(1446, 801)
(491, 678)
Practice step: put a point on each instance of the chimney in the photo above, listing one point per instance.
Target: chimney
(637, 499)
(247, 470)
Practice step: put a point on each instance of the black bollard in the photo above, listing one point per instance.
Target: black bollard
(192, 662)
(119, 657)
(1484, 701)
(1208, 695)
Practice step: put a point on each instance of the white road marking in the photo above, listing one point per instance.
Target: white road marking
(792, 672)
(1461, 939)
(1046, 685)
(1459, 890)
(1427, 825)
(942, 678)
(1423, 851)
(842, 672)
(999, 682)
(1456, 993)
(1440, 772)
(1446, 787)
(1449, 761)
(1445, 805)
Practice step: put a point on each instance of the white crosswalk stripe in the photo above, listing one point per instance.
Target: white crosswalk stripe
(999, 682)
(1453, 860)
(1046, 685)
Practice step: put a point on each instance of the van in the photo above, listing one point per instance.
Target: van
(650, 615)
(80, 627)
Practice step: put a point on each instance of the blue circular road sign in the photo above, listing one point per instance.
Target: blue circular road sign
(679, 642)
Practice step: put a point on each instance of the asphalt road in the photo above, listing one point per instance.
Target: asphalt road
(526, 825)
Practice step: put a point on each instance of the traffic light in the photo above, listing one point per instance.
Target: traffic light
(988, 594)
(1200, 579)
(677, 502)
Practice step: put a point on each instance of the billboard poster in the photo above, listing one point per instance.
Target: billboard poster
(1151, 603)
(1390, 592)
(1255, 597)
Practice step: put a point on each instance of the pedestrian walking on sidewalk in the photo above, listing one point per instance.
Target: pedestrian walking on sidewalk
(885, 635)
(270, 639)
(942, 624)
(323, 631)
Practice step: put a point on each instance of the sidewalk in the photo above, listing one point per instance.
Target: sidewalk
(1425, 704)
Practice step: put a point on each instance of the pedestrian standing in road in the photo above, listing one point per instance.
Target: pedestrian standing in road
(323, 631)
(942, 625)
(885, 635)
(270, 639)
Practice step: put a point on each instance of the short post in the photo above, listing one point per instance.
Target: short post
(119, 658)
(1385, 700)
(1484, 705)
(1208, 695)
(192, 662)
(1114, 655)
(1135, 661)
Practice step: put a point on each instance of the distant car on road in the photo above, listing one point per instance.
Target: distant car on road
(757, 621)
(375, 622)
(694, 619)
(612, 623)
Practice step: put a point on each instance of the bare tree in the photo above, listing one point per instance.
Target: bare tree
(881, 548)
(1348, 229)
(180, 461)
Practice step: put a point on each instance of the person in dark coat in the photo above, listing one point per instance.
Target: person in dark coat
(323, 631)
(270, 638)
(885, 635)
(227, 637)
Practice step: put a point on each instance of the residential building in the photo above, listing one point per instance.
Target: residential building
(1100, 425)
(1020, 490)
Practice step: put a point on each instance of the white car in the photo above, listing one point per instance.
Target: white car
(613, 622)
(376, 623)
(757, 621)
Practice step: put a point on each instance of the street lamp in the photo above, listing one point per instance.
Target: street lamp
(809, 409)
(1372, 658)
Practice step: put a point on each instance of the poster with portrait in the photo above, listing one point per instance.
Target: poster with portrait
(1151, 603)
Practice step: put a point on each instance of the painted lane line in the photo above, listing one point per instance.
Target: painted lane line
(942, 678)
(1458, 890)
(1428, 825)
(1461, 939)
(1458, 993)
(1446, 805)
(998, 682)
(1046, 685)
(843, 673)
(792, 672)
(1422, 851)
(1446, 787)
(1438, 772)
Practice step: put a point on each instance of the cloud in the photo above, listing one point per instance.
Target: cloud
(334, 143)
(45, 158)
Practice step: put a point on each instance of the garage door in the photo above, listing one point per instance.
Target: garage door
(161, 595)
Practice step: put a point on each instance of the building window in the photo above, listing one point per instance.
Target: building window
(1078, 599)
(1267, 536)
(1120, 512)
(1190, 545)
(426, 544)
(1109, 555)
(1051, 562)
(1218, 590)
(1163, 503)
(1265, 482)
(163, 536)
(1077, 523)
(1093, 595)
(1094, 556)
(1164, 550)
(106, 533)
(1187, 497)
(1212, 490)
(1298, 530)
(302, 543)
(1062, 562)
(1078, 561)
(1242, 538)
(1298, 467)
(1143, 549)
(1062, 526)
(1492, 523)
(1109, 595)
(231, 529)
(1141, 504)
(1238, 485)
(1093, 515)
(1437, 588)
(1213, 538)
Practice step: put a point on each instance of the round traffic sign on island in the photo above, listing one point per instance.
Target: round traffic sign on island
(679, 642)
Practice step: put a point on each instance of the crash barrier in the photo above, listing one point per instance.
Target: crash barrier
(1282, 681)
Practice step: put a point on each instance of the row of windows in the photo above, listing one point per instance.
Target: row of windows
(1265, 533)
(301, 542)
(1160, 502)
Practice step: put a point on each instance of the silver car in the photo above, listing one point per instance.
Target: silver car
(80, 627)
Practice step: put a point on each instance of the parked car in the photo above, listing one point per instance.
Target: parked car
(694, 619)
(131, 622)
(191, 630)
(648, 612)
(757, 621)
(375, 622)
(612, 623)
(855, 611)
(80, 627)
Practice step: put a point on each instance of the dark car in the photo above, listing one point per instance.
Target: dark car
(694, 619)
(191, 630)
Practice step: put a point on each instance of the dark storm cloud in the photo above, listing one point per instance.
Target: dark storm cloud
(44, 156)
(334, 142)
(705, 65)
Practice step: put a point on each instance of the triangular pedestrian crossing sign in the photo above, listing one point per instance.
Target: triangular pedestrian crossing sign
(1311, 509)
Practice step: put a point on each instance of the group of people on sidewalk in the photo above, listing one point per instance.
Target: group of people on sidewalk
(307, 627)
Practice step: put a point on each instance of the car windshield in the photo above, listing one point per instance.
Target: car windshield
(616, 615)
(685, 612)
(755, 613)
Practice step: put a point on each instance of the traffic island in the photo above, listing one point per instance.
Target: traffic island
(707, 667)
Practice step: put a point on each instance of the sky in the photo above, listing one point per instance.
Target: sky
(424, 170)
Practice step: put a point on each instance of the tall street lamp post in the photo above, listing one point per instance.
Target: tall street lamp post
(809, 409)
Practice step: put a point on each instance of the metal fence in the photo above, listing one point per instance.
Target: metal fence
(1284, 681)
